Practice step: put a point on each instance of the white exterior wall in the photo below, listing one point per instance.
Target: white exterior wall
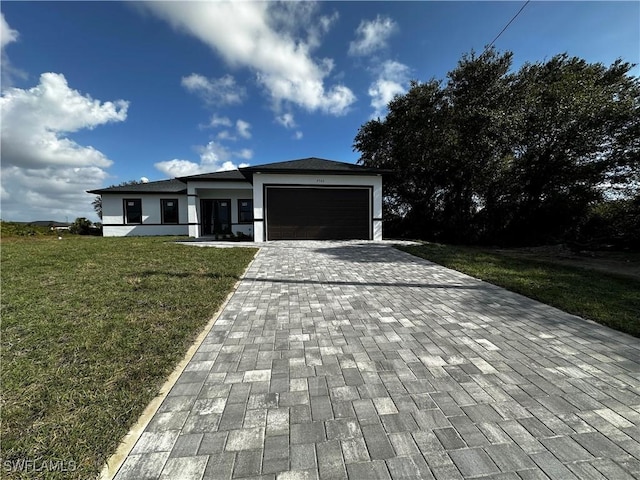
(189, 205)
(113, 216)
(261, 179)
(232, 191)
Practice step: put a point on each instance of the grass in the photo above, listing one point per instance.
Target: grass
(608, 299)
(91, 328)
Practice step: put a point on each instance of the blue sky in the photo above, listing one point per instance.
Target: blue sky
(96, 93)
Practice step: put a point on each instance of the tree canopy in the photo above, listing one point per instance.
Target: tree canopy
(507, 157)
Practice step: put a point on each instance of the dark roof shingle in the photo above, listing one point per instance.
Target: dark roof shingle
(312, 165)
(225, 176)
(161, 186)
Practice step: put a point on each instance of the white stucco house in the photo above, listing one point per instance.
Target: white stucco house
(310, 198)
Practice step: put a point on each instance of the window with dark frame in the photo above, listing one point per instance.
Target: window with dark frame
(245, 211)
(169, 210)
(132, 210)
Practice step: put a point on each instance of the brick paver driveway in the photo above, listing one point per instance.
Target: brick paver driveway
(347, 360)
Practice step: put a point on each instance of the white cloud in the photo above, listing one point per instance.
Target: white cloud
(265, 37)
(286, 120)
(7, 34)
(51, 193)
(43, 171)
(214, 157)
(214, 91)
(7, 70)
(178, 168)
(390, 82)
(372, 35)
(242, 128)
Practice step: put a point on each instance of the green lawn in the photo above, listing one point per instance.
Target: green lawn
(605, 298)
(91, 328)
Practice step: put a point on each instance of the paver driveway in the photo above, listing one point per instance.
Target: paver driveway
(348, 360)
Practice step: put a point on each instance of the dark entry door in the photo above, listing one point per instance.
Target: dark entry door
(216, 216)
(318, 213)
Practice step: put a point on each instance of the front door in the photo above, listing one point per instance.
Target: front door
(216, 216)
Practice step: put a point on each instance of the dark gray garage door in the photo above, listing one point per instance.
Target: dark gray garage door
(318, 213)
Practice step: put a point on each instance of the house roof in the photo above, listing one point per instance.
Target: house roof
(226, 176)
(310, 166)
(162, 186)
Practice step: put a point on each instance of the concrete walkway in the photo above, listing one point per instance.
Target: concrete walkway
(348, 360)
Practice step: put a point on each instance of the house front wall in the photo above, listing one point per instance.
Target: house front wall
(262, 180)
(229, 191)
(190, 212)
(114, 222)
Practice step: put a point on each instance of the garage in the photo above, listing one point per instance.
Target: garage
(318, 213)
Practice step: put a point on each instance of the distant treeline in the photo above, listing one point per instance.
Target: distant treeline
(81, 226)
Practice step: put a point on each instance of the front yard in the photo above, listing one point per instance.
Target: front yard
(91, 328)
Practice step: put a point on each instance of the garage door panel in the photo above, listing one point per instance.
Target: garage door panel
(318, 213)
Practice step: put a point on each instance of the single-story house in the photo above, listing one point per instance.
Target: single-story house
(310, 198)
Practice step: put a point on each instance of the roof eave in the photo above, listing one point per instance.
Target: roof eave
(316, 172)
(106, 190)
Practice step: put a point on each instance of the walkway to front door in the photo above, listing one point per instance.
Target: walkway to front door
(355, 360)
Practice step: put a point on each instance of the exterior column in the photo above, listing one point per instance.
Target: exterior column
(377, 209)
(192, 205)
(258, 209)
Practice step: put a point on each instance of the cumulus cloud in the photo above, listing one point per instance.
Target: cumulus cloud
(391, 81)
(372, 35)
(214, 157)
(244, 34)
(44, 172)
(297, 135)
(214, 91)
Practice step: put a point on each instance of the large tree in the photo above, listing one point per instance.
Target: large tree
(408, 141)
(577, 132)
(502, 156)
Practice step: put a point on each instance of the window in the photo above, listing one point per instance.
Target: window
(169, 210)
(132, 210)
(245, 211)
